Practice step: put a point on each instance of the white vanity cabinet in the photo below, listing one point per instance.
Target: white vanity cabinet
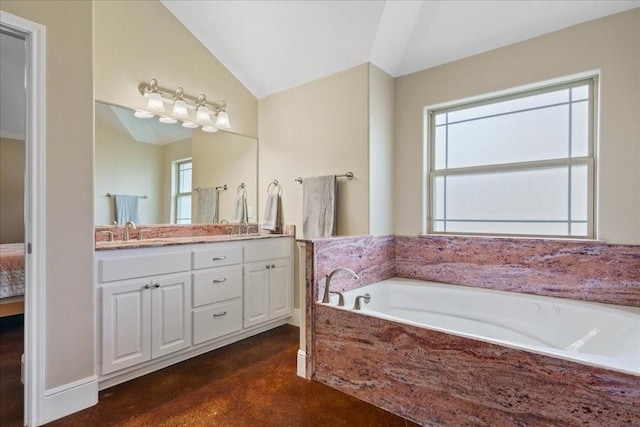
(146, 317)
(267, 282)
(161, 305)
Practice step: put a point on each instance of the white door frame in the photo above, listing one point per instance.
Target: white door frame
(34, 213)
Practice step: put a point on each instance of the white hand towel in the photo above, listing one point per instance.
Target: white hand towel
(272, 213)
(319, 196)
(207, 205)
(126, 209)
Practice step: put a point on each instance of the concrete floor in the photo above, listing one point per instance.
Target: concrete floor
(249, 383)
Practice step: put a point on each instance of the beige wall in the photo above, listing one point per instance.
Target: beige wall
(136, 41)
(175, 151)
(381, 168)
(125, 166)
(69, 299)
(611, 45)
(224, 158)
(11, 190)
(319, 128)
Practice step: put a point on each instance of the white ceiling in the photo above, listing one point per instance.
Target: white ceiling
(149, 131)
(275, 45)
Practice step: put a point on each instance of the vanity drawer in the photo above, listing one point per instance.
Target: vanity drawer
(216, 320)
(216, 256)
(132, 266)
(258, 250)
(218, 284)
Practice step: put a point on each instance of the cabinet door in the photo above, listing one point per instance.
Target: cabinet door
(170, 314)
(256, 293)
(280, 288)
(126, 330)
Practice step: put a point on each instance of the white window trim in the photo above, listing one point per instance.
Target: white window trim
(528, 90)
(174, 188)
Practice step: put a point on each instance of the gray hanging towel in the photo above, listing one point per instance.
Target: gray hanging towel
(126, 209)
(207, 205)
(240, 213)
(272, 213)
(319, 195)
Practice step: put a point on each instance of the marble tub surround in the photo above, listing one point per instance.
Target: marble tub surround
(434, 378)
(372, 258)
(580, 270)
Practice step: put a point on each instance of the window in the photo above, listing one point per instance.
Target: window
(521, 164)
(182, 194)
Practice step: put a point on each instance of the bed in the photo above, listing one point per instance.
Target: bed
(11, 279)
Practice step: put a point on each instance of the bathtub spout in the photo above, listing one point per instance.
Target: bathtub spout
(365, 297)
(327, 291)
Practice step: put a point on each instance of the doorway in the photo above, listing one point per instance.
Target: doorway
(29, 38)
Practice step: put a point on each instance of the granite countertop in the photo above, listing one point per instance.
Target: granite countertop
(181, 240)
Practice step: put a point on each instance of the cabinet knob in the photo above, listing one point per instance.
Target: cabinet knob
(147, 286)
(156, 285)
(273, 266)
(224, 279)
(268, 266)
(218, 258)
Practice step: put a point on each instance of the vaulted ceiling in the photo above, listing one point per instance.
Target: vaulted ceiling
(275, 45)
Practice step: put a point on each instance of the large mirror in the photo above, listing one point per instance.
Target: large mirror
(146, 158)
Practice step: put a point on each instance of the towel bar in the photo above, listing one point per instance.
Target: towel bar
(113, 195)
(348, 175)
(221, 187)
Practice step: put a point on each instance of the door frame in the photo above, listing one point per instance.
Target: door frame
(34, 213)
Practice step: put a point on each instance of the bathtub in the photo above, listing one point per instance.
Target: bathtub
(599, 335)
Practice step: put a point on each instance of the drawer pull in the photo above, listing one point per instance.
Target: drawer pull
(218, 258)
(224, 279)
(220, 314)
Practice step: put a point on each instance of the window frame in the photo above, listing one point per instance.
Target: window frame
(589, 160)
(176, 189)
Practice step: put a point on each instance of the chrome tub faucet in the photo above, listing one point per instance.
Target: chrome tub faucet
(326, 298)
(365, 297)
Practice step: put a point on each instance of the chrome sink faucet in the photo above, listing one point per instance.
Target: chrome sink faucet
(327, 291)
(129, 225)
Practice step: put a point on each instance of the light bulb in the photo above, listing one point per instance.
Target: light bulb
(155, 103)
(180, 109)
(223, 120)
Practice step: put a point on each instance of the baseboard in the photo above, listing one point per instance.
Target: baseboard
(295, 317)
(302, 364)
(69, 398)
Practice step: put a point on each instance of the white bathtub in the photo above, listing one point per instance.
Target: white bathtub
(595, 334)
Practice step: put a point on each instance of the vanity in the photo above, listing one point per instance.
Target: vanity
(162, 301)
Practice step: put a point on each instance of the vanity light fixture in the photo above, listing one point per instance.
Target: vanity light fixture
(182, 103)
